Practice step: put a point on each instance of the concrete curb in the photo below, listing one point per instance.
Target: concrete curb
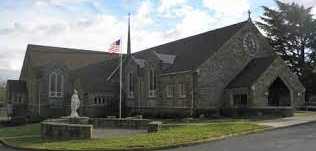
(6, 144)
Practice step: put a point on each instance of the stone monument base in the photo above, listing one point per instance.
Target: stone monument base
(67, 128)
(76, 120)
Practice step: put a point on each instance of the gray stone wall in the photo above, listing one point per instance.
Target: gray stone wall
(278, 69)
(131, 67)
(212, 77)
(221, 68)
(142, 103)
(141, 84)
(258, 93)
(54, 130)
(229, 93)
(98, 104)
(29, 76)
(173, 80)
(51, 106)
(38, 85)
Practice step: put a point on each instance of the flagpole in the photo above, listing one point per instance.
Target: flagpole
(121, 56)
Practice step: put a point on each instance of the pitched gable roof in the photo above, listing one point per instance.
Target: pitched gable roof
(251, 72)
(71, 58)
(93, 77)
(192, 51)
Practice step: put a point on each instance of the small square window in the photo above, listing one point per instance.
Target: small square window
(152, 93)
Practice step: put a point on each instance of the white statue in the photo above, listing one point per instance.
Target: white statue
(75, 103)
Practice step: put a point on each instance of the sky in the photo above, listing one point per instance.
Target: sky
(95, 24)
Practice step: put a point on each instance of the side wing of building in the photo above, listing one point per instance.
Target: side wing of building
(52, 73)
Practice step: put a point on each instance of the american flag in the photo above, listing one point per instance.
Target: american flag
(115, 46)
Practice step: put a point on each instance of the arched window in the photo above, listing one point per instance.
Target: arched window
(60, 85)
(95, 100)
(52, 83)
(130, 85)
(152, 83)
(99, 100)
(56, 84)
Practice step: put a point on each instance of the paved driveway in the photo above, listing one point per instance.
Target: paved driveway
(297, 138)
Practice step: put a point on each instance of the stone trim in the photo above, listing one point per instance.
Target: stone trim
(120, 123)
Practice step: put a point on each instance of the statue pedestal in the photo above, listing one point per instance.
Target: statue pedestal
(67, 128)
(76, 120)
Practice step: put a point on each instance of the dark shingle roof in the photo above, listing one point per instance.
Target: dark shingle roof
(71, 58)
(192, 51)
(251, 72)
(16, 86)
(93, 77)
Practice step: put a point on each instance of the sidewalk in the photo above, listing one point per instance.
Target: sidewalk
(297, 119)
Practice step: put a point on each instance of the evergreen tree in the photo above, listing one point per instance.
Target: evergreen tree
(291, 30)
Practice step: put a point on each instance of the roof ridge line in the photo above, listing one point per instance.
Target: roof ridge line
(220, 28)
(63, 49)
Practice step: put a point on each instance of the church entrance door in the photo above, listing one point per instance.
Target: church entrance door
(279, 94)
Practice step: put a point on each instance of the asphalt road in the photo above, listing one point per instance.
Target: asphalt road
(297, 138)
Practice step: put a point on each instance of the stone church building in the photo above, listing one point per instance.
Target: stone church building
(227, 71)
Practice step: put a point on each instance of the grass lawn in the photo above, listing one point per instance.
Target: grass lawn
(18, 131)
(166, 137)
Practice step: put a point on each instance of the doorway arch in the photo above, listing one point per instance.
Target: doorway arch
(279, 94)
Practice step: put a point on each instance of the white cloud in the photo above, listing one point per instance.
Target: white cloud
(42, 25)
(190, 21)
(58, 2)
(170, 8)
(166, 5)
(195, 21)
(143, 15)
(49, 22)
(236, 8)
